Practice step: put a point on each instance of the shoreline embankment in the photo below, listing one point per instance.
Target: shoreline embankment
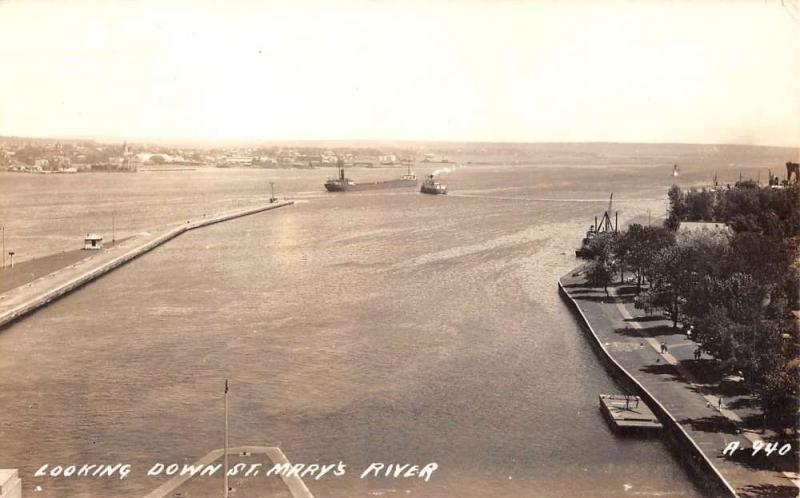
(700, 466)
(33, 297)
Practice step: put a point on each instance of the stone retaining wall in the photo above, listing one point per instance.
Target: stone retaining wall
(689, 452)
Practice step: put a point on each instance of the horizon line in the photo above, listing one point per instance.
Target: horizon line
(212, 142)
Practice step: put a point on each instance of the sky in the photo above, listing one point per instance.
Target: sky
(508, 71)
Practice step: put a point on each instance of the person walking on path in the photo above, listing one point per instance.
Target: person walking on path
(663, 347)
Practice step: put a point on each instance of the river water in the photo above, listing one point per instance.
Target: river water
(363, 327)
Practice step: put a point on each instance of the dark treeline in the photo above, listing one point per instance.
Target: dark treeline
(735, 288)
(746, 208)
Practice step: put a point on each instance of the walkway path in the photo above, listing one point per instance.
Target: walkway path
(634, 340)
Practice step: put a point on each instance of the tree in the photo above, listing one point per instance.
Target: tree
(724, 309)
(637, 247)
(779, 392)
(668, 281)
(599, 273)
(601, 269)
(765, 259)
(736, 290)
(699, 205)
(677, 208)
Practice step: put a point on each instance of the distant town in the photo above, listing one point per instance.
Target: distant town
(26, 155)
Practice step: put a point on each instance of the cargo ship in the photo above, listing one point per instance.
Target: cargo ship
(344, 184)
(431, 186)
(584, 251)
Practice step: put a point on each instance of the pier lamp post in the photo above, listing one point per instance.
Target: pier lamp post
(225, 443)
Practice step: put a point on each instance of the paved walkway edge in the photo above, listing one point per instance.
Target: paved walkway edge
(59, 291)
(293, 482)
(702, 468)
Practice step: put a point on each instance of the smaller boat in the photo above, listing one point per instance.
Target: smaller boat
(675, 170)
(431, 186)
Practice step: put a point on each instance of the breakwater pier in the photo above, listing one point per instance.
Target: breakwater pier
(648, 358)
(27, 298)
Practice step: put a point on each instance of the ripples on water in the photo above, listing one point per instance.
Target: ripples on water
(390, 327)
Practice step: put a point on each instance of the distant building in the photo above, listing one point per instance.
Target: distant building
(59, 163)
(307, 161)
(264, 162)
(699, 226)
(93, 242)
(239, 161)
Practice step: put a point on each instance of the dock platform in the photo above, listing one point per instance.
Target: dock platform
(628, 414)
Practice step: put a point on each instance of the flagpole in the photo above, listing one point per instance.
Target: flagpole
(225, 450)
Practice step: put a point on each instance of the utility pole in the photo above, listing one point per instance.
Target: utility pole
(225, 448)
(3, 230)
(113, 230)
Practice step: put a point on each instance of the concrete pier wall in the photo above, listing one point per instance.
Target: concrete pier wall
(63, 288)
(10, 484)
(690, 453)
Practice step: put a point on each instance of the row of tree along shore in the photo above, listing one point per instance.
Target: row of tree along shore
(733, 283)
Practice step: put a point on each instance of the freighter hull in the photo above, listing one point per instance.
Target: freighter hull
(337, 186)
(344, 184)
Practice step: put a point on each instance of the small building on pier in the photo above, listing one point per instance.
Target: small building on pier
(93, 242)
